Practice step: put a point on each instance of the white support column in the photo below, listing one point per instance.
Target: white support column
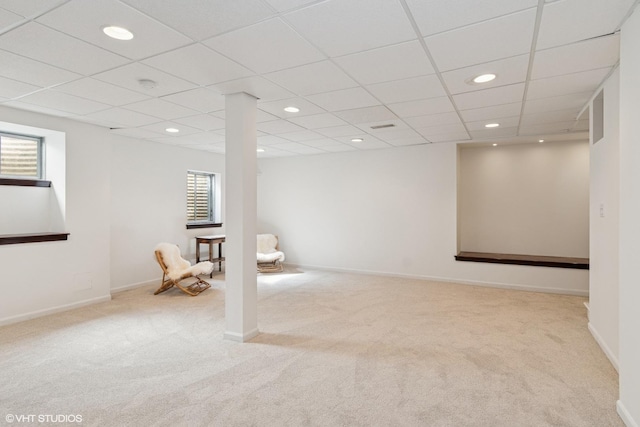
(241, 299)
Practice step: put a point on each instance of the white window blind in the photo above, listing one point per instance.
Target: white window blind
(200, 197)
(20, 156)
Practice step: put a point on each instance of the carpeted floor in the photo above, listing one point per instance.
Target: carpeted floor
(335, 350)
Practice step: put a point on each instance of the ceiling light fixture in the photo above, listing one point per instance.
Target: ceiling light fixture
(260, 150)
(291, 109)
(357, 139)
(147, 83)
(117, 33)
(492, 125)
(484, 78)
(541, 141)
(172, 130)
(495, 145)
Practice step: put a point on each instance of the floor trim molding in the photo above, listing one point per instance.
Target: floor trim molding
(53, 310)
(603, 345)
(234, 336)
(625, 415)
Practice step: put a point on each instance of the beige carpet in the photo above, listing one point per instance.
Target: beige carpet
(335, 350)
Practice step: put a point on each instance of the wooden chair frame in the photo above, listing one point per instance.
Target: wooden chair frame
(271, 266)
(193, 289)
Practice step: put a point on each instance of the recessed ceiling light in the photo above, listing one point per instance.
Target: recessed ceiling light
(541, 140)
(172, 130)
(492, 125)
(482, 78)
(117, 33)
(260, 150)
(291, 109)
(357, 139)
(495, 145)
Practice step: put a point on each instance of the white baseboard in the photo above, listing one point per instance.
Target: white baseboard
(603, 345)
(625, 415)
(135, 285)
(53, 310)
(234, 336)
(526, 288)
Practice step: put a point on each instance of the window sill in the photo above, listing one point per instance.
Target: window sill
(25, 182)
(12, 239)
(204, 225)
(533, 260)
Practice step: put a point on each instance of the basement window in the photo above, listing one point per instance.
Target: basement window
(203, 200)
(21, 157)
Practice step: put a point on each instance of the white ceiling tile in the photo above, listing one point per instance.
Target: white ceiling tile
(450, 137)
(368, 114)
(307, 150)
(369, 143)
(206, 138)
(408, 89)
(589, 19)
(30, 8)
(321, 143)
(493, 112)
(85, 20)
(159, 108)
(545, 128)
(200, 99)
(556, 103)
(261, 116)
(433, 120)
(9, 18)
(259, 87)
(38, 42)
(317, 121)
(498, 38)
(338, 148)
(269, 140)
(586, 81)
(268, 46)
(313, 78)
(64, 102)
(400, 61)
(37, 108)
(13, 89)
(432, 131)
(26, 70)
(489, 97)
(397, 125)
(198, 64)
(291, 146)
(341, 27)
(123, 118)
(101, 91)
(337, 131)
(494, 133)
(549, 117)
(504, 122)
(278, 127)
(409, 141)
(422, 107)
(204, 122)
(200, 19)
(277, 107)
(302, 136)
(508, 71)
(161, 126)
(346, 99)
(435, 16)
(283, 5)
(128, 76)
(398, 134)
(582, 56)
(135, 133)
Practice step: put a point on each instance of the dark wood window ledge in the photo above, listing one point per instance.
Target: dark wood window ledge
(534, 260)
(204, 225)
(12, 239)
(25, 182)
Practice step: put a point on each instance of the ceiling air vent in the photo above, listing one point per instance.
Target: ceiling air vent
(390, 125)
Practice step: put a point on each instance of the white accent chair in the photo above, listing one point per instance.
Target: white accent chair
(269, 256)
(175, 269)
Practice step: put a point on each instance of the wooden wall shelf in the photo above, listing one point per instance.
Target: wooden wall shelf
(13, 239)
(533, 260)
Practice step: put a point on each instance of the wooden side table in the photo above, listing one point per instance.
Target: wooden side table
(211, 240)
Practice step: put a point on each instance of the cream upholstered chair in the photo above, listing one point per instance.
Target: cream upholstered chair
(269, 256)
(176, 269)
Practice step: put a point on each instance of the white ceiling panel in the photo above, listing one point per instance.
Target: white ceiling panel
(400, 61)
(13, 89)
(163, 109)
(37, 108)
(498, 38)
(582, 56)
(422, 107)
(268, 46)
(590, 19)
(302, 136)
(101, 91)
(277, 107)
(508, 71)
(369, 127)
(204, 122)
(200, 99)
(408, 89)
(431, 131)
(494, 133)
(435, 16)
(269, 140)
(9, 18)
(489, 97)
(160, 127)
(259, 87)
(322, 142)
(198, 64)
(27, 70)
(30, 8)
(355, 25)
(284, 5)
(493, 112)
(433, 120)
(543, 128)
(123, 118)
(135, 133)
(398, 134)
(309, 79)
(261, 116)
(369, 143)
(128, 76)
(338, 148)
(318, 121)
(346, 99)
(338, 131)
(450, 137)
(368, 114)
(556, 103)
(569, 83)
(504, 122)
(278, 127)
(43, 44)
(201, 19)
(549, 117)
(85, 20)
(64, 102)
(408, 141)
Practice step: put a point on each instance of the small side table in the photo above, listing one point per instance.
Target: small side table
(211, 240)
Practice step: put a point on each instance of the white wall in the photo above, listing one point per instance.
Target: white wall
(148, 205)
(530, 199)
(604, 223)
(384, 211)
(629, 403)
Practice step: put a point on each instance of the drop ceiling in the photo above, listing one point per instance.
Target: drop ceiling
(348, 65)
